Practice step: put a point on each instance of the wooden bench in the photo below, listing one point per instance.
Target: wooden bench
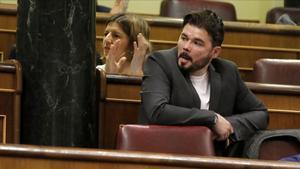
(10, 101)
(282, 102)
(37, 157)
(120, 101)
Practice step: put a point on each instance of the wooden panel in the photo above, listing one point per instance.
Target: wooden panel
(246, 57)
(123, 91)
(37, 157)
(114, 113)
(2, 129)
(10, 98)
(280, 101)
(262, 35)
(7, 39)
(7, 111)
(8, 13)
(7, 81)
(286, 118)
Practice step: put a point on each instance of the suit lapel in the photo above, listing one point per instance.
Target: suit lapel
(215, 88)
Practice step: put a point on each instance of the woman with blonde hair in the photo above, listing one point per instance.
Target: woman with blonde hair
(125, 44)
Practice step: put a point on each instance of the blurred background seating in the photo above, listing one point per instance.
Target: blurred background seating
(284, 15)
(273, 144)
(277, 71)
(178, 8)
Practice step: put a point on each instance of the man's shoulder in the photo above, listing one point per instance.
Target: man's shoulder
(164, 53)
(223, 63)
(165, 59)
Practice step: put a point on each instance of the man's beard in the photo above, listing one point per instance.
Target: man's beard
(194, 66)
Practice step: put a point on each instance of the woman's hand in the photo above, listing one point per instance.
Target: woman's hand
(115, 58)
(139, 53)
(119, 6)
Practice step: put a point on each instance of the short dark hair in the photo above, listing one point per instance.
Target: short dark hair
(209, 21)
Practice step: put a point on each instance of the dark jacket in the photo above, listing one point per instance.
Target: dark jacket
(169, 98)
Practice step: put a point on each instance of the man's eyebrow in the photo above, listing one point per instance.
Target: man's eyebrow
(184, 34)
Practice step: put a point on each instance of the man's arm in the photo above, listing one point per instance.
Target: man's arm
(250, 113)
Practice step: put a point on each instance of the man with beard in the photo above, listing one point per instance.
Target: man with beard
(190, 85)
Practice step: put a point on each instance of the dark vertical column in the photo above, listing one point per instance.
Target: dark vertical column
(56, 47)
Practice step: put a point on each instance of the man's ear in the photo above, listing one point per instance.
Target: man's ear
(216, 51)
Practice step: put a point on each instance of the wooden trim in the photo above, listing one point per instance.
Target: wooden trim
(263, 48)
(249, 69)
(108, 99)
(284, 111)
(8, 9)
(3, 129)
(273, 88)
(229, 26)
(229, 46)
(177, 22)
(52, 154)
(123, 79)
(8, 90)
(8, 30)
(8, 66)
(103, 83)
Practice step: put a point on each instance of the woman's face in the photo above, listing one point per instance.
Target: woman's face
(113, 32)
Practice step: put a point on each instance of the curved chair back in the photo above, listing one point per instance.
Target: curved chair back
(179, 8)
(273, 144)
(277, 71)
(190, 140)
(293, 15)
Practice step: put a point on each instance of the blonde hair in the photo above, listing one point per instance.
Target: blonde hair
(132, 25)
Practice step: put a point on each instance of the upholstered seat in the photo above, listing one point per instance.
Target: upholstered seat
(179, 8)
(277, 71)
(191, 140)
(274, 14)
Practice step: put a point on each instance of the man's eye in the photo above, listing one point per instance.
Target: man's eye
(198, 43)
(183, 38)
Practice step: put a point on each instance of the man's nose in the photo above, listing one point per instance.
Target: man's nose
(187, 46)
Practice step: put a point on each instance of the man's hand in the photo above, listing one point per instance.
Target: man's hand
(222, 129)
